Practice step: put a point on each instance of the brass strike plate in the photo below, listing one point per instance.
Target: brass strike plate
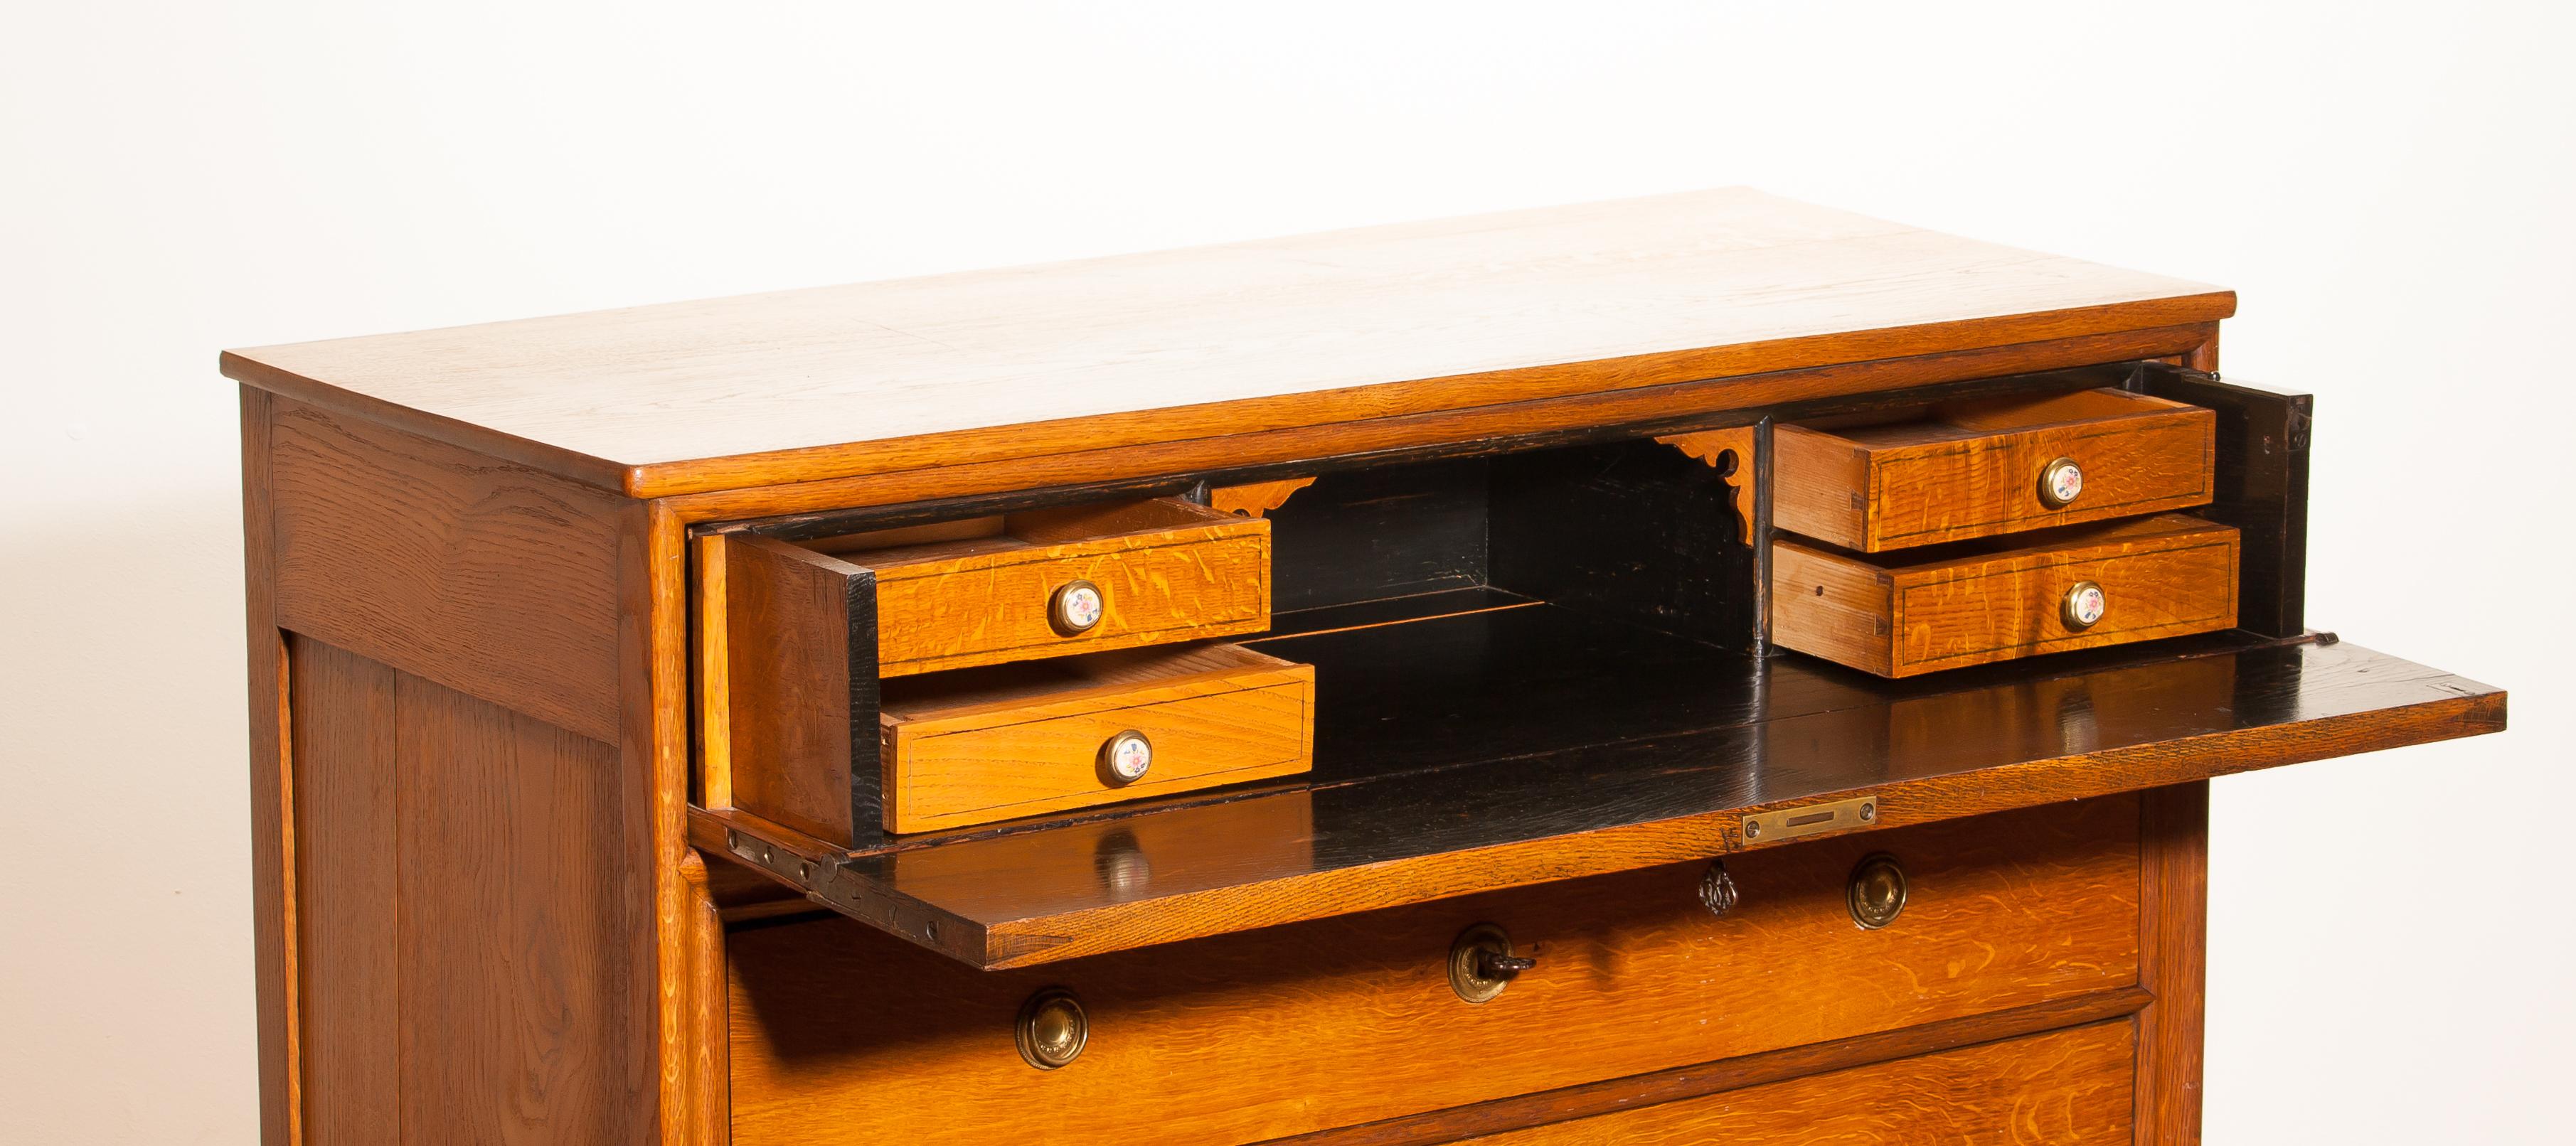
(1810, 819)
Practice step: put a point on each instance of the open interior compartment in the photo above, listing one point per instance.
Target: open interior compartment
(1635, 532)
(1542, 660)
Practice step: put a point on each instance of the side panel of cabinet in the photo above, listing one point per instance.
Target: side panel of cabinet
(471, 922)
(2261, 488)
(456, 805)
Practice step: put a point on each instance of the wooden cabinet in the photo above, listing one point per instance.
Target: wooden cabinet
(1770, 660)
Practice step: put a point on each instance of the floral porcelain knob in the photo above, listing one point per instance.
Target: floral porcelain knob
(2060, 483)
(1076, 608)
(2084, 606)
(1125, 758)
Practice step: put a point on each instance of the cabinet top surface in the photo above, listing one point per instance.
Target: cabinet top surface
(1271, 334)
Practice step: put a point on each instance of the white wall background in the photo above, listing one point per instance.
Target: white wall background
(2388, 187)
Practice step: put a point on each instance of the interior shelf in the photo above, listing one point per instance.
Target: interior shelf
(1501, 741)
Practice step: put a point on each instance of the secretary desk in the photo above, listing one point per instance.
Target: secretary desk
(1696, 668)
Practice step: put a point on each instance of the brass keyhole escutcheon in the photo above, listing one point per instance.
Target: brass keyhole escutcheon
(1877, 891)
(1076, 608)
(1717, 889)
(1053, 1030)
(1481, 963)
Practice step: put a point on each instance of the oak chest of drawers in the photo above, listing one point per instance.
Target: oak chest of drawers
(1702, 668)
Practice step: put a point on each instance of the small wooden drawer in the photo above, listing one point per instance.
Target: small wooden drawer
(2163, 576)
(799, 643)
(994, 743)
(1980, 469)
(987, 590)
(841, 1034)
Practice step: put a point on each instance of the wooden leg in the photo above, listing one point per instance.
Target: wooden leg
(2172, 962)
(272, 816)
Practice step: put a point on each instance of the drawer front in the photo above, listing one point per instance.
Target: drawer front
(1176, 586)
(1874, 491)
(2159, 577)
(840, 1034)
(2064, 1088)
(1045, 757)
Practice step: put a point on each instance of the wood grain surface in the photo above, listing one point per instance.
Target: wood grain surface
(349, 923)
(703, 1035)
(2173, 961)
(1279, 333)
(1909, 358)
(1167, 570)
(1389, 823)
(2071, 1088)
(275, 960)
(841, 1035)
(982, 745)
(1969, 470)
(797, 714)
(476, 918)
(497, 580)
(2264, 439)
(653, 743)
(1613, 1096)
(1257, 498)
(1916, 611)
(529, 1005)
(1730, 451)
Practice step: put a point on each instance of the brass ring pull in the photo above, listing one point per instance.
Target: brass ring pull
(1876, 894)
(1053, 1029)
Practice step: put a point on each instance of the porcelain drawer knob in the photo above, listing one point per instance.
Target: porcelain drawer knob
(1076, 608)
(1125, 758)
(2084, 605)
(2060, 483)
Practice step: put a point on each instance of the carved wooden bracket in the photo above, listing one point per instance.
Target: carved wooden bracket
(1712, 446)
(1258, 498)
